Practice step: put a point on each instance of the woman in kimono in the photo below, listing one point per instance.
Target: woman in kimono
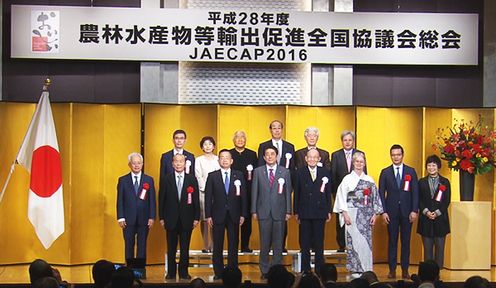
(358, 204)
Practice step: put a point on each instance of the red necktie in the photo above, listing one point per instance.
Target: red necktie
(271, 177)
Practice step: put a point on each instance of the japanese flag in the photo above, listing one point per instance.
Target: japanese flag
(39, 154)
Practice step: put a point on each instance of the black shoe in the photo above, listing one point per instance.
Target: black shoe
(285, 250)
(340, 250)
(246, 250)
(170, 277)
(217, 277)
(206, 251)
(263, 276)
(185, 277)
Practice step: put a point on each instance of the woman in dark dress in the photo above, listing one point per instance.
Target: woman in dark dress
(435, 195)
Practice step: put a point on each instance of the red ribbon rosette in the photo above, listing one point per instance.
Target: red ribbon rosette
(146, 187)
(406, 186)
(190, 191)
(366, 193)
(439, 196)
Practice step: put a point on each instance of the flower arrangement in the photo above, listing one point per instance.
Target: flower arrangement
(467, 146)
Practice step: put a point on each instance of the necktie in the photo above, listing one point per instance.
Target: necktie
(278, 153)
(136, 185)
(348, 160)
(271, 177)
(226, 182)
(179, 186)
(398, 178)
(312, 173)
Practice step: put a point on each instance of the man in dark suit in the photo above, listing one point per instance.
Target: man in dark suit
(312, 209)
(285, 157)
(135, 207)
(342, 165)
(398, 188)
(311, 137)
(244, 160)
(179, 139)
(271, 205)
(225, 209)
(179, 213)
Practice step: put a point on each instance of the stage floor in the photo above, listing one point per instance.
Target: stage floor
(81, 274)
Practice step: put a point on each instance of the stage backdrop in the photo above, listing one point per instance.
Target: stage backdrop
(96, 139)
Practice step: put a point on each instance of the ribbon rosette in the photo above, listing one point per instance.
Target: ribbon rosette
(146, 187)
(281, 182)
(249, 168)
(406, 186)
(190, 191)
(325, 180)
(439, 196)
(366, 193)
(188, 166)
(288, 159)
(237, 184)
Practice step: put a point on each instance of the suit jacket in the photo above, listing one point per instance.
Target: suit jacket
(166, 163)
(171, 209)
(440, 226)
(309, 201)
(300, 158)
(217, 203)
(409, 199)
(130, 206)
(339, 168)
(286, 148)
(265, 200)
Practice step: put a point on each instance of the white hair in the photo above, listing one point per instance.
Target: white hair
(312, 129)
(134, 154)
(239, 133)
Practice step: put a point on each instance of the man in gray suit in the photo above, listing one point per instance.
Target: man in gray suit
(271, 205)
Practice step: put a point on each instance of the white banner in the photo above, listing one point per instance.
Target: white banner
(139, 34)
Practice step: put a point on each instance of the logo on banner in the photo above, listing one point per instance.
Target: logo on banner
(45, 31)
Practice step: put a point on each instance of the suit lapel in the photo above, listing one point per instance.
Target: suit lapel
(174, 185)
(343, 159)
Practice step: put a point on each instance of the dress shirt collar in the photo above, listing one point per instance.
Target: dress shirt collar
(179, 173)
(139, 176)
(274, 168)
(396, 170)
(178, 151)
(313, 170)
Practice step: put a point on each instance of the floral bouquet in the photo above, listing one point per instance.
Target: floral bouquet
(467, 146)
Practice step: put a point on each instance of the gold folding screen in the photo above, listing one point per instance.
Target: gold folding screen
(95, 140)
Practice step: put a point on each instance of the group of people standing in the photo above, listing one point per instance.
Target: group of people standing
(224, 192)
